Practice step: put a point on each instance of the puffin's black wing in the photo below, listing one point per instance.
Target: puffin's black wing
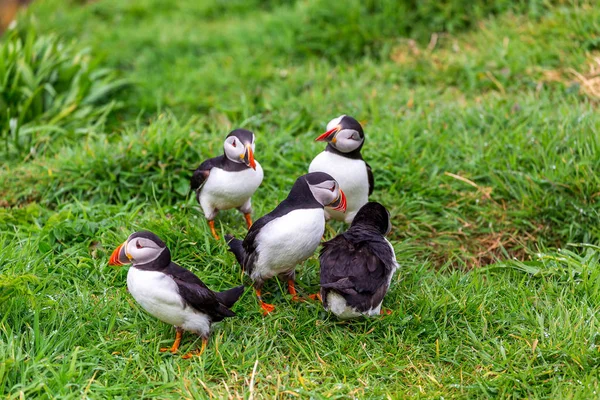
(201, 173)
(354, 271)
(183, 274)
(196, 294)
(249, 244)
(371, 179)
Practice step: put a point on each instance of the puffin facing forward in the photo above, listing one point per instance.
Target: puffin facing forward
(289, 234)
(357, 265)
(230, 180)
(169, 292)
(343, 161)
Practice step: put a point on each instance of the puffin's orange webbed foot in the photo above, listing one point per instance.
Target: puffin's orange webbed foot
(173, 349)
(212, 230)
(248, 220)
(267, 308)
(385, 311)
(197, 352)
(292, 291)
(316, 296)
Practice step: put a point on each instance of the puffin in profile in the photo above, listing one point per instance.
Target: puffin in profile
(169, 292)
(230, 180)
(343, 161)
(357, 265)
(289, 234)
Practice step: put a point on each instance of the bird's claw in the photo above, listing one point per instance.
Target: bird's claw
(165, 349)
(316, 296)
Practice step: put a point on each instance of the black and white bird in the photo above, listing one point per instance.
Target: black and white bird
(169, 292)
(289, 234)
(343, 161)
(230, 180)
(357, 266)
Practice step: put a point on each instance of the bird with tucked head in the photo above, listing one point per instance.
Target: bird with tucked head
(228, 181)
(343, 161)
(169, 292)
(357, 266)
(288, 235)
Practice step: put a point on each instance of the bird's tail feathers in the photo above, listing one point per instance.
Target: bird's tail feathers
(235, 246)
(230, 296)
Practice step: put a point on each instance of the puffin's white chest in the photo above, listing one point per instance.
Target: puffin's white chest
(230, 189)
(158, 294)
(287, 241)
(338, 305)
(352, 177)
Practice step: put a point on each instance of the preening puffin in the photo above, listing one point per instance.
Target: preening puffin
(169, 292)
(289, 234)
(343, 161)
(230, 180)
(357, 265)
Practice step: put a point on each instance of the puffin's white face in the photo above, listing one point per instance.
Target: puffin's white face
(142, 251)
(342, 135)
(347, 140)
(240, 152)
(136, 250)
(328, 193)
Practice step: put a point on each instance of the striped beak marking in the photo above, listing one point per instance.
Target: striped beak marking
(329, 136)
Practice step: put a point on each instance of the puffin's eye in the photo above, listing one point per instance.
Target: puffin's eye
(332, 188)
(233, 143)
(138, 245)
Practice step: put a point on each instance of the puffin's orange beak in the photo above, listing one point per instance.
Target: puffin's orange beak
(119, 257)
(340, 203)
(328, 136)
(249, 157)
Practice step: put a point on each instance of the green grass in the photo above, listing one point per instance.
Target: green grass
(49, 92)
(484, 144)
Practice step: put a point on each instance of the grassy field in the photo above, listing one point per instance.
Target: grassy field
(484, 141)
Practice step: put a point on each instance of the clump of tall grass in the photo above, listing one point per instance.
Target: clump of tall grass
(50, 91)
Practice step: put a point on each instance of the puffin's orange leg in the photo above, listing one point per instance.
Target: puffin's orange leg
(197, 352)
(248, 220)
(316, 296)
(266, 307)
(212, 229)
(292, 290)
(385, 311)
(175, 346)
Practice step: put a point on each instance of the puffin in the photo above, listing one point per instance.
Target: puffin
(342, 160)
(289, 234)
(229, 180)
(357, 266)
(169, 292)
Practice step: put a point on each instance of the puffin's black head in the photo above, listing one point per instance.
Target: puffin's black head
(375, 215)
(324, 189)
(344, 133)
(142, 248)
(239, 147)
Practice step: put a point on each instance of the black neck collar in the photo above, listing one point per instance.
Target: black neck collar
(354, 154)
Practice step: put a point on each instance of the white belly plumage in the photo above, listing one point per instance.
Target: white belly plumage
(229, 189)
(338, 305)
(352, 177)
(158, 294)
(287, 241)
